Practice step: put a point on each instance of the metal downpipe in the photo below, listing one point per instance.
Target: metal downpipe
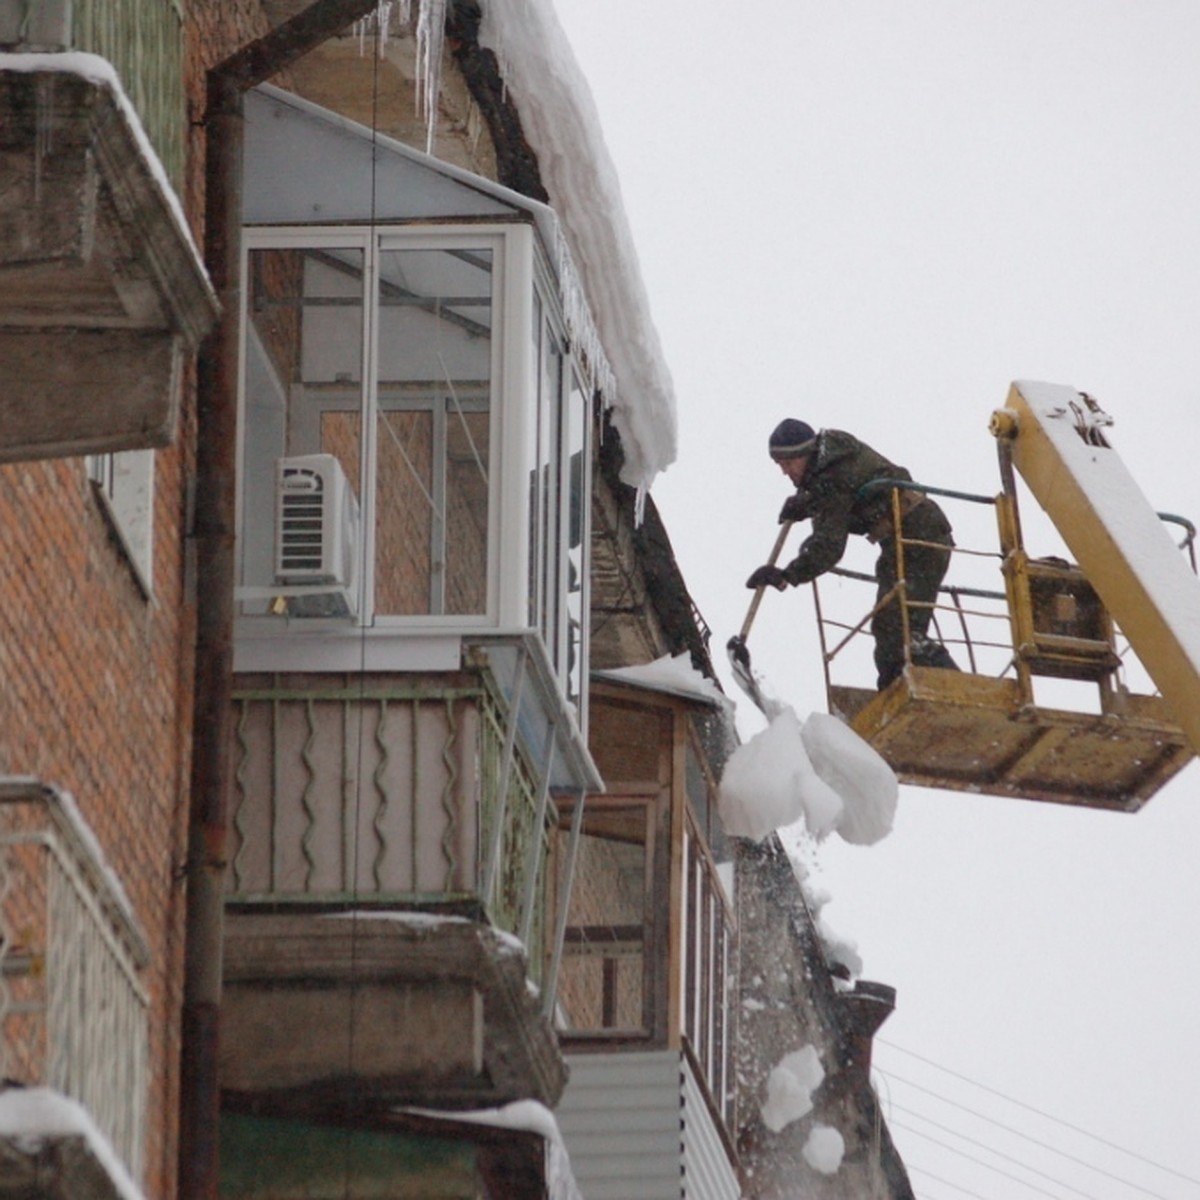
(213, 535)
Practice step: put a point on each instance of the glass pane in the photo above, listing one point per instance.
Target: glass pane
(467, 439)
(404, 512)
(549, 465)
(302, 441)
(536, 549)
(576, 487)
(602, 978)
(433, 432)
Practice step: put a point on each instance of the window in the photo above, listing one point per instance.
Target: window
(602, 986)
(124, 482)
(416, 439)
(708, 987)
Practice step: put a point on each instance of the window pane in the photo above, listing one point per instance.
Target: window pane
(403, 511)
(576, 486)
(433, 432)
(549, 464)
(303, 399)
(467, 437)
(602, 978)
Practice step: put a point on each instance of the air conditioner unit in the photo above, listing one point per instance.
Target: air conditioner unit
(316, 536)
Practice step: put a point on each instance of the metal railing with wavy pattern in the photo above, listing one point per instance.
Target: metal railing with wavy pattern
(384, 793)
(73, 1007)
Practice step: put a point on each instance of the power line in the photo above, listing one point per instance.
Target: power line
(992, 1150)
(949, 1183)
(1048, 1116)
(1016, 1132)
(1033, 1187)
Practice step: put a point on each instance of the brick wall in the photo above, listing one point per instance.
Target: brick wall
(96, 677)
(94, 698)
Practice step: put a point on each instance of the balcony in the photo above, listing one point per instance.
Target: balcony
(647, 1000)
(73, 1008)
(101, 289)
(387, 876)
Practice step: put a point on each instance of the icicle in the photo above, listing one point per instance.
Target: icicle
(384, 15)
(380, 22)
(580, 327)
(639, 506)
(431, 33)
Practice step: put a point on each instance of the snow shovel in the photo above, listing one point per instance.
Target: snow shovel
(739, 655)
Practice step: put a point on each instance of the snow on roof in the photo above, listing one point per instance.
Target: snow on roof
(31, 1117)
(506, 941)
(562, 125)
(673, 675)
(527, 1116)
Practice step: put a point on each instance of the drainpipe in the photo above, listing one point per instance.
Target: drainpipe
(213, 536)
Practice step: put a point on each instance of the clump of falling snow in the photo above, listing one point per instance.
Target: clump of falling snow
(770, 782)
(866, 784)
(824, 1149)
(819, 772)
(790, 1086)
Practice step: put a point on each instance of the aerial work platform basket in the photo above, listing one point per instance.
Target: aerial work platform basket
(1080, 683)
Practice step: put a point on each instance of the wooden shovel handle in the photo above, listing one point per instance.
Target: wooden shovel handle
(776, 550)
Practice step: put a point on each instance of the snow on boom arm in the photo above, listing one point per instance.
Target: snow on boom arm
(1119, 541)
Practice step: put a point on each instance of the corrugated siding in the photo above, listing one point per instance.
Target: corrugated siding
(637, 1127)
(620, 1118)
(707, 1172)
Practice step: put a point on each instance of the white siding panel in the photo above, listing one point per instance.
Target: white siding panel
(708, 1174)
(620, 1118)
(637, 1127)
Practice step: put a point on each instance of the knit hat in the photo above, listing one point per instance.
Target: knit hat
(792, 439)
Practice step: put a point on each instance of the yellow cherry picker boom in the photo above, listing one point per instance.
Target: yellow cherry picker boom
(1122, 621)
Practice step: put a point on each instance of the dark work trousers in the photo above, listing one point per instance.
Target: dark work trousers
(924, 569)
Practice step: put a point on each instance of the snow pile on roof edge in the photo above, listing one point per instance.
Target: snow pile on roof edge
(563, 127)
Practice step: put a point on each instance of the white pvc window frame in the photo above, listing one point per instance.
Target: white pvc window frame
(515, 561)
(124, 484)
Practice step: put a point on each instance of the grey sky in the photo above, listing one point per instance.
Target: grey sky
(874, 216)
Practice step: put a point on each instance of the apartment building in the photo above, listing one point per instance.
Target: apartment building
(335, 858)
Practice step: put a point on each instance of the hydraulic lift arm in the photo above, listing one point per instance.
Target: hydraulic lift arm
(1058, 446)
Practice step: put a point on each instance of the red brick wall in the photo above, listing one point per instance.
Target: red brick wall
(95, 698)
(95, 679)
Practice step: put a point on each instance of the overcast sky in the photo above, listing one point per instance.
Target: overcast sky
(874, 216)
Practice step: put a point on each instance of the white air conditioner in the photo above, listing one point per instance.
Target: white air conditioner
(316, 536)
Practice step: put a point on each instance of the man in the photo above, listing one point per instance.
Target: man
(831, 471)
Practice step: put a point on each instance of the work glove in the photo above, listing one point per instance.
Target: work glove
(768, 577)
(793, 509)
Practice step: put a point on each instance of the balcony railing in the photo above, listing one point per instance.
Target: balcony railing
(73, 1008)
(143, 39)
(375, 791)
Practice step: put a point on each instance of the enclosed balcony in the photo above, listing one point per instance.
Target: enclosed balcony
(647, 993)
(416, 413)
(411, 636)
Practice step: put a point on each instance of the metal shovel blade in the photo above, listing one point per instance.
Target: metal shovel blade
(739, 662)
